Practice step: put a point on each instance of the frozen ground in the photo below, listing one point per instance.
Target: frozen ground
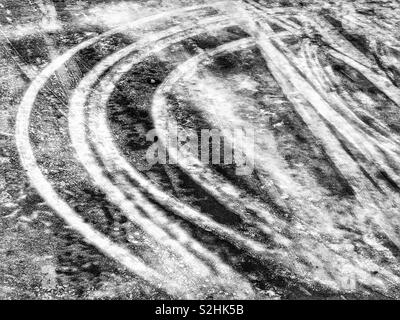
(82, 82)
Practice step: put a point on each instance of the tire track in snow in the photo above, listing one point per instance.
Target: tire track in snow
(116, 252)
(198, 170)
(77, 131)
